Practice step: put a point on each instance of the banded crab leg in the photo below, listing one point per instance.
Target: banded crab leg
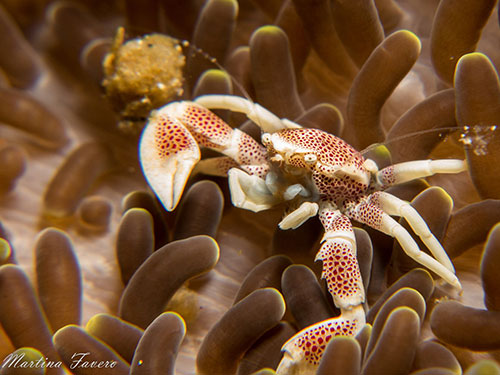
(343, 278)
(338, 253)
(392, 205)
(370, 211)
(404, 172)
(169, 149)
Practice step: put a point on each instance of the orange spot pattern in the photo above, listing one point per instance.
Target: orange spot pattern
(333, 220)
(365, 210)
(171, 137)
(224, 164)
(332, 153)
(211, 131)
(387, 176)
(340, 269)
(338, 189)
(313, 341)
(252, 156)
(250, 152)
(256, 170)
(207, 128)
(330, 150)
(340, 265)
(297, 161)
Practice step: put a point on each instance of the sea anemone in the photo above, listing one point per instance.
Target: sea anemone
(91, 262)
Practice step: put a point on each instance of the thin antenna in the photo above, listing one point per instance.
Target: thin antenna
(475, 137)
(193, 50)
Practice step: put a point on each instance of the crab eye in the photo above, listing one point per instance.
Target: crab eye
(266, 139)
(310, 158)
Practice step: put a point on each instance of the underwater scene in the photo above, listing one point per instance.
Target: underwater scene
(222, 187)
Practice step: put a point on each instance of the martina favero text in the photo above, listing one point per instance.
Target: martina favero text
(78, 360)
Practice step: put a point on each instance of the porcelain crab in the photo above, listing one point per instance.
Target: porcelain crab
(318, 173)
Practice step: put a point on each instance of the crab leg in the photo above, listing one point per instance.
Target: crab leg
(403, 172)
(338, 253)
(341, 271)
(395, 206)
(297, 217)
(169, 151)
(217, 166)
(266, 120)
(212, 132)
(368, 211)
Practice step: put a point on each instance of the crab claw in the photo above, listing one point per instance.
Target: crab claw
(303, 351)
(249, 191)
(168, 153)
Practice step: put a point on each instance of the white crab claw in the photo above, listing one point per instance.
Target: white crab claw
(168, 152)
(249, 191)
